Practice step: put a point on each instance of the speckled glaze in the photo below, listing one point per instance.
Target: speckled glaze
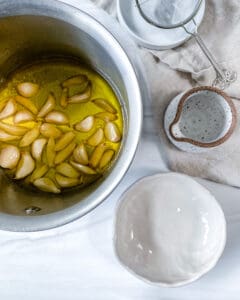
(169, 230)
(202, 118)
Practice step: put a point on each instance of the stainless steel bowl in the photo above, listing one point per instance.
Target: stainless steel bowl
(30, 30)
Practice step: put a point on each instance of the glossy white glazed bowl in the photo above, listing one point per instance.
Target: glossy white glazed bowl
(169, 230)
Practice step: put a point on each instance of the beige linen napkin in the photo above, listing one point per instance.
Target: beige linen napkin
(176, 70)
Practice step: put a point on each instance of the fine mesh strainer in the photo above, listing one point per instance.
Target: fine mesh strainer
(172, 14)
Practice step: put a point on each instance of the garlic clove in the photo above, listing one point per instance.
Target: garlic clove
(5, 137)
(27, 103)
(106, 158)
(97, 155)
(104, 104)
(64, 141)
(84, 169)
(66, 182)
(80, 154)
(50, 152)
(37, 148)
(85, 125)
(67, 170)
(14, 130)
(57, 117)
(50, 130)
(83, 97)
(23, 116)
(112, 132)
(65, 153)
(39, 172)
(75, 80)
(64, 97)
(96, 138)
(25, 166)
(27, 89)
(106, 116)
(9, 157)
(48, 106)
(9, 109)
(46, 185)
(30, 136)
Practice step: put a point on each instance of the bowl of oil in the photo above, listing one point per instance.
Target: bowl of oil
(70, 113)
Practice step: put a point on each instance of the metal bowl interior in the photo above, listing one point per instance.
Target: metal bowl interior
(31, 30)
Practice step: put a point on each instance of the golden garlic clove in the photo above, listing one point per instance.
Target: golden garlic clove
(64, 97)
(82, 168)
(27, 89)
(67, 170)
(85, 125)
(39, 172)
(23, 116)
(66, 182)
(50, 130)
(25, 166)
(9, 157)
(112, 132)
(75, 80)
(46, 185)
(83, 97)
(57, 117)
(106, 158)
(65, 153)
(14, 130)
(27, 103)
(97, 155)
(37, 148)
(9, 109)
(80, 154)
(64, 141)
(96, 138)
(50, 151)
(106, 116)
(48, 106)
(5, 137)
(30, 136)
(104, 104)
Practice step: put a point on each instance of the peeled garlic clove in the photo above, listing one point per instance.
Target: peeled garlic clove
(104, 104)
(48, 106)
(50, 151)
(85, 125)
(9, 109)
(67, 170)
(27, 89)
(27, 103)
(64, 97)
(80, 154)
(57, 117)
(14, 130)
(66, 182)
(112, 132)
(65, 153)
(30, 136)
(106, 158)
(83, 97)
(9, 157)
(5, 137)
(64, 141)
(75, 80)
(25, 166)
(97, 155)
(96, 138)
(50, 130)
(46, 185)
(37, 148)
(39, 172)
(106, 116)
(84, 169)
(23, 116)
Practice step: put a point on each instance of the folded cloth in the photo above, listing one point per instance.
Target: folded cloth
(174, 71)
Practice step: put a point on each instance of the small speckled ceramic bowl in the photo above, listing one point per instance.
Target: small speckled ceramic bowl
(204, 117)
(169, 230)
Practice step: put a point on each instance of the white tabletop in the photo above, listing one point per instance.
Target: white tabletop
(77, 261)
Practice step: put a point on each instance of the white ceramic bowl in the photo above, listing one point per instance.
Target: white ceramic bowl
(169, 230)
